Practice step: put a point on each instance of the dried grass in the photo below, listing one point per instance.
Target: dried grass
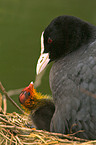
(14, 131)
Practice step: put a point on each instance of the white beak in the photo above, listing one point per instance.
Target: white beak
(43, 59)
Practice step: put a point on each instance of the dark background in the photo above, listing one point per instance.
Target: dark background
(21, 24)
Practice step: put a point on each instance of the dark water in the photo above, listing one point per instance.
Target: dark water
(21, 24)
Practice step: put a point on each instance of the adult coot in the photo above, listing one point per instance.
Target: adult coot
(41, 107)
(70, 43)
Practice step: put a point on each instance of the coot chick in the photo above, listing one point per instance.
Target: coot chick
(71, 43)
(41, 107)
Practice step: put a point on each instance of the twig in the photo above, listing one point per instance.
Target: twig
(2, 119)
(93, 142)
(10, 134)
(38, 136)
(5, 104)
(19, 140)
(7, 126)
(11, 139)
(0, 102)
(61, 135)
(29, 143)
(6, 141)
(6, 137)
(5, 93)
(1, 142)
(14, 92)
(15, 127)
(39, 78)
(76, 132)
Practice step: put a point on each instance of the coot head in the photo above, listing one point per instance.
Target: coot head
(62, 36)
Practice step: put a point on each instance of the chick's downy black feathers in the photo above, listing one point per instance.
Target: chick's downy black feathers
(43, 115)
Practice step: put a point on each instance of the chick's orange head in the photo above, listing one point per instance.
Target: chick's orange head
(27, 96)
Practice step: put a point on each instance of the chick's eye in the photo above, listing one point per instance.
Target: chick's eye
(49, 40)
(28, 93)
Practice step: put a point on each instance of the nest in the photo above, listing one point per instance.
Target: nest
(14, 130)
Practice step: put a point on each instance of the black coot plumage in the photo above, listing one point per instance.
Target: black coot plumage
(70, 43)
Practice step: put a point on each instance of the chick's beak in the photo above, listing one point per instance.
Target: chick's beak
(22, 98)
(43, 59)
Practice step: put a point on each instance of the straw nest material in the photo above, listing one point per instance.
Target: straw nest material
(15, 129)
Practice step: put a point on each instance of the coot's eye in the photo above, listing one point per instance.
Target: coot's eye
(28, 93)
(49, 40)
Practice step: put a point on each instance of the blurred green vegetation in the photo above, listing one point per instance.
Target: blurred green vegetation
(21, 24)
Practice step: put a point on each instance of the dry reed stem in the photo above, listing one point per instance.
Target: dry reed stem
(0, 102)
(4, 136)
(10, 99)
(5, 104)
